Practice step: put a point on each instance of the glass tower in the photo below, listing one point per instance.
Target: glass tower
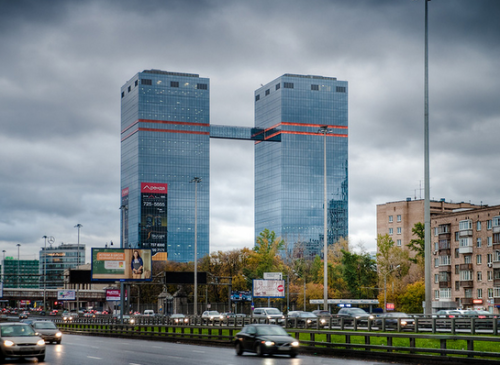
(165, 131)
(289, 176)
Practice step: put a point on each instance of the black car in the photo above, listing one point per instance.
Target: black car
(301, 319)
(392, 319)
(265, 339)
(351, 314)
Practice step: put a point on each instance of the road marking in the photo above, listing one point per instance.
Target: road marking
(93, 357)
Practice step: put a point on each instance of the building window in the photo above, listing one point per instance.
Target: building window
(457, 237)
(340, 89)
(468, 293)
(398, 217)
(479, 276)
(390, 231)
(479, 293)
(123, 94)
(457, 285)
(315, 87)
(436, 294)
(268, 92)
(478, 242)
(398, 243)
(490, 293)
(129, 88)
(445, 260)
(478, 226)
(479, 259)
(465, 225)
(288, 85)
(174, 83)
(490, 241)
(390, 219)
(399, 230)
(489, 257)
(278, 86)
(436, 278)
(457, 269)
(436, 262)
(202, 86)
(465, 242)
(257, 97)
(468, 259)
(488, 224)
(465, 275)
(457, 253)
(445, 293)
(436, 231)
(136, 82)
(146, 82)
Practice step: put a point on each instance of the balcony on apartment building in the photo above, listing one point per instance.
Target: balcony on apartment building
(445, 284)
(467, 301)
(495, 264)
(466, 283)
(465, 249)
(463, 267)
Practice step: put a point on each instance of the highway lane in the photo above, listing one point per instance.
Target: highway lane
(90, 350)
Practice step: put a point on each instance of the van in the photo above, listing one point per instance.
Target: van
(149, 313)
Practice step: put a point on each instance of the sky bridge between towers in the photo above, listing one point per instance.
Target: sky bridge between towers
(272, 134)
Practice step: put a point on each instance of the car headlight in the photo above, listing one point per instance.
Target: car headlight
(131, 321)
(371, 317)
(58, 334)
(295, 344)
(40, 343)
(323, 320)
(309, 321)
(403, 323)
(8, 343)
(269, 343)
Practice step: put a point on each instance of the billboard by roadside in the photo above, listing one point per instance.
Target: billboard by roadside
(121, 264)
(268, 288)
(66, 295)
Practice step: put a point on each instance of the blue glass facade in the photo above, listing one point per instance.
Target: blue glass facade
(165, 134)
(165, 130)
(289, 176)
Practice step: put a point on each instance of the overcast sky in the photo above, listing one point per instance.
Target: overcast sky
(62, 64)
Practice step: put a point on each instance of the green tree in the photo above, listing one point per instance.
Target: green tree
(358, 273)
(410, 300)
(418, 244)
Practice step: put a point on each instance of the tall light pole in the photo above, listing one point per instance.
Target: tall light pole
(196, 181)
(385, 287)
(3, 267)
(79, 226)
(123, 208)
(427, 209)
(45, 273)
(324, 130)
(18, 266)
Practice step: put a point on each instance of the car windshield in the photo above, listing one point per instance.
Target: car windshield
(17, 331)
(357, 311)
(273, 311)
(45, 325)
(213, 313)
(271, 330)
(308, 315)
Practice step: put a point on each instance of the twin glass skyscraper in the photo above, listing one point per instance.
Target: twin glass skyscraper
(165, 145)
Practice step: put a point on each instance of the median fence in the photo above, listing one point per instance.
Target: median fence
(401, 346)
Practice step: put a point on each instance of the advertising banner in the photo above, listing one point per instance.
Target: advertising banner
(124, 217)
(66, 295)
(241, 296)
(153, 226)
(123, 264)
(112, 295)
(268, 288)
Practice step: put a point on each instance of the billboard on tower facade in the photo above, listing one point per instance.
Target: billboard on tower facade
(153, 226)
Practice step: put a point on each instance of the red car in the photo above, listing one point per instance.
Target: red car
(53, 313)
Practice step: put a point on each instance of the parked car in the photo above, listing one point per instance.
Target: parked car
(69, 317)
(392, 319)
(273, 315)
(48, 331)
(149, 313)
(24, 315)
(450, 313)
(179, 318)
(19, 340)
(351, 314)
(265, 339)
(302, 319)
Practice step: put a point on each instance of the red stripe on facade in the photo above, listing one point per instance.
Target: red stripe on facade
(172, 131)
(315, 125)
(315, 134)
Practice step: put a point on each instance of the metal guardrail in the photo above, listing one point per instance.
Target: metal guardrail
(401, 346)
(419, 324)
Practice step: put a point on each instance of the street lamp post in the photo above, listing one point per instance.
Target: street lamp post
(44, 272)
(324, 130)
(18, 266)
(3, 267)
(79, 226)
(385, 287)
(196, 181)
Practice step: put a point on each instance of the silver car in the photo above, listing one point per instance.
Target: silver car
(19, 340)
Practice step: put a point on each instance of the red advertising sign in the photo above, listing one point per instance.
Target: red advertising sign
(156, 188)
